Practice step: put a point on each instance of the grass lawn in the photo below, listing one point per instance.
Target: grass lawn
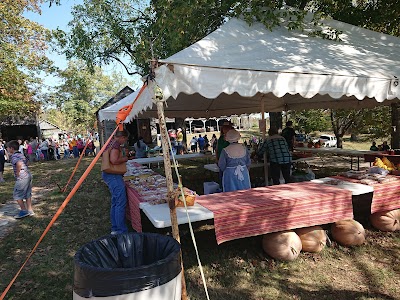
(234, 270)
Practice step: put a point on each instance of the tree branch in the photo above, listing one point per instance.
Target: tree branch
(125, 66)
(134, 20)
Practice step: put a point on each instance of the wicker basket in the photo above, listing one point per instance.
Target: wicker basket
(190, 197)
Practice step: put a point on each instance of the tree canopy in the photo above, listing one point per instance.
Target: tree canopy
(73, 103)
(132, 33)
(22, 57)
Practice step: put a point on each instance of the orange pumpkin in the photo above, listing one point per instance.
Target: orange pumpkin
(348, 233)
(313, 239)
(386, 220)
(284, 245)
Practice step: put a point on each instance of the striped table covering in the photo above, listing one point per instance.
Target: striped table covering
(386, 196)
(132, 208)
(263, 210)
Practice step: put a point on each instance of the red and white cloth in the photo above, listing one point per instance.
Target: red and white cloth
(263, 210)
(132, 208)
(386, 195)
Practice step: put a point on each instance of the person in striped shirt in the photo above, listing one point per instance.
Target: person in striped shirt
(280, 158)
(23, 180)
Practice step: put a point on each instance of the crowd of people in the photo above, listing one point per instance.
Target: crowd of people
(36, 149)
(20, 153)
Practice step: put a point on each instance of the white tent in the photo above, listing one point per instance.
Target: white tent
(235, 67)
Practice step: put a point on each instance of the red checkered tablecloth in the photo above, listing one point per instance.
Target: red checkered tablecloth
(386, 196)
(263, 210)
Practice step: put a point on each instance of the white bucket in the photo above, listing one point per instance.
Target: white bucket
(172, 290)
(210, 187)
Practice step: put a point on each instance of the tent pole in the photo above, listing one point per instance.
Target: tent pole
(170, 185)
(264, 128)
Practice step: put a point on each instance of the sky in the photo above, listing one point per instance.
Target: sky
(58, 16)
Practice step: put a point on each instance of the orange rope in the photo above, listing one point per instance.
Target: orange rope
(69, 197)
(76, 168)
(59, 211)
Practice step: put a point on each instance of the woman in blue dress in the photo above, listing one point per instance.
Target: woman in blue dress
(234, 162)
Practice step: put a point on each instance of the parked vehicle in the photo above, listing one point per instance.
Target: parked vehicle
(301, 137)
(326, 140)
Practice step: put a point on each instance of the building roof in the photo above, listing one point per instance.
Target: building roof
(118, 96)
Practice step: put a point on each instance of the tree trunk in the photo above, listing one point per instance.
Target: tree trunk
(395, 142)
(275, 119)
(339, 140)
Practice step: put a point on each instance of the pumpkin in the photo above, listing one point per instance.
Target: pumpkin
(348, 233)
(386, 220)
(313, 239)
(284, 245)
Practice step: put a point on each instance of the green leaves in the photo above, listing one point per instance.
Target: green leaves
(22, 57)
(80, 95)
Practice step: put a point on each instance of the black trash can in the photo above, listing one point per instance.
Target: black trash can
(134, 266)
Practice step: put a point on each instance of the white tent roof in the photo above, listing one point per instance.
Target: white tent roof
(233, 68)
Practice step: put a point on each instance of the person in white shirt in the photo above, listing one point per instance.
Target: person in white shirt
(193, 144)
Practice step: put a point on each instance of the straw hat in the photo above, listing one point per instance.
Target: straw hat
(232, 136)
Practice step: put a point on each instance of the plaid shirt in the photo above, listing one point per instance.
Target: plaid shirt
(278, 150)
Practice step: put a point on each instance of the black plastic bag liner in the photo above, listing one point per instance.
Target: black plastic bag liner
(125, 263)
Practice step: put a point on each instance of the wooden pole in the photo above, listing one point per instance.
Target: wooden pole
(170, 185)
(263, 137)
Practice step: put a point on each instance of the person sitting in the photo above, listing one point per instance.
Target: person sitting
(234, 162)
(385, 146)
(90, 148)
(373, 147)
(140, 148)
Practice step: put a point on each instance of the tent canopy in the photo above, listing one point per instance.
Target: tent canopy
(234, 68)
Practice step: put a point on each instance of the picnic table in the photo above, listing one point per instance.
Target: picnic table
(339, 152)
(160, 159)
(370, 157)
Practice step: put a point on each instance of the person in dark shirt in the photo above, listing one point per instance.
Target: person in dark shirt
(280, 158)
(385, 146)
(374, 147)
(289, 134)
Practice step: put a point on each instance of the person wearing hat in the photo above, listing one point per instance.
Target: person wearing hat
(234, 162)
(179, 141)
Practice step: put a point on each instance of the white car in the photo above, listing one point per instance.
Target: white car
(327, 140)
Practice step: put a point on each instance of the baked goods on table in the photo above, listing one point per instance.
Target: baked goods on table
(151, 186)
